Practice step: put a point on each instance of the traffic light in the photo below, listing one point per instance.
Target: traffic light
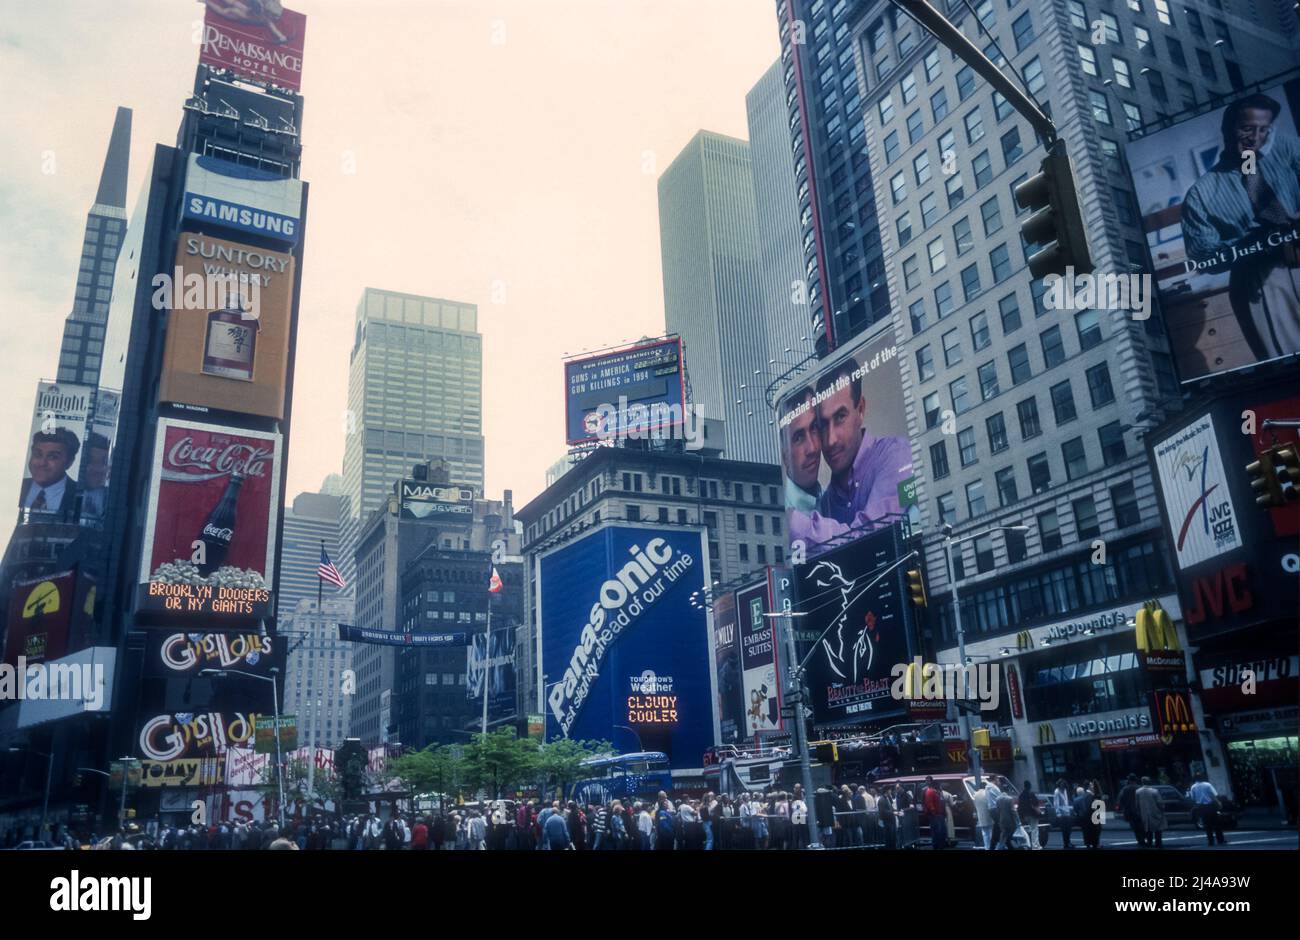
(1274, 476)
(1286, 461)
(916, 587)
(1056, 222)
(828, 752)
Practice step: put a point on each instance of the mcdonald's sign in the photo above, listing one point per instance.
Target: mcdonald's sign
(1173, 712)
(1024, 641)
(1155, 630)
(1046, 734)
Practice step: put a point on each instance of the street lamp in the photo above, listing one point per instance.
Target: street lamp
(275, 705)
(948, 543)
(639, 745)
(125, 762)
(794, 695)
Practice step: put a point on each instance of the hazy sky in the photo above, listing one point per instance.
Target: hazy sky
(510, 141)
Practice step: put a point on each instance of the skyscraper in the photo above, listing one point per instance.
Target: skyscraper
(83, 332)
(841, 246)
(415, 393)
(315, 519)
(776, 204)
(708, 238)
(1027, 421)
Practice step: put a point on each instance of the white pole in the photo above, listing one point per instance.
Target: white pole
(487, 646)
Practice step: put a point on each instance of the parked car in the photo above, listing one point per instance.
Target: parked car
(1179, 809)
(35, 846)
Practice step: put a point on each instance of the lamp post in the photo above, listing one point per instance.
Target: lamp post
(794, 695)
(948, 542)
(639, 745)
(275, 706)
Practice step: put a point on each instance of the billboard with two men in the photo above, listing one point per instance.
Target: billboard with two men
(845, 455)
(1219, 196)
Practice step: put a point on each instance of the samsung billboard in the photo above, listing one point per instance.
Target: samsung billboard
(622, 646)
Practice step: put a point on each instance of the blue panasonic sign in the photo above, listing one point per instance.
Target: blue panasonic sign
(622, 645)
(242, 198)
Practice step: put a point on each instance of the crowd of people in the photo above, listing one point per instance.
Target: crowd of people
(889, 817)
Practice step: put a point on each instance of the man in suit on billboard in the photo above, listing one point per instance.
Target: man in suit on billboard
(49, 489)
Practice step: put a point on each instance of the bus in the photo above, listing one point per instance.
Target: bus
(637, 776)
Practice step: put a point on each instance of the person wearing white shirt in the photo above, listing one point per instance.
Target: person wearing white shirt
(992, 793)
(644, 825)
(799, 820)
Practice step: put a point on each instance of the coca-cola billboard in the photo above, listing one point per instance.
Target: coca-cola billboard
(209, 547)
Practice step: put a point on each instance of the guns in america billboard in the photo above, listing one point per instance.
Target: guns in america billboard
(622, 644)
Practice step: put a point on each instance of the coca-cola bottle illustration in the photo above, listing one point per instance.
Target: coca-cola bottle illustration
(220, 527)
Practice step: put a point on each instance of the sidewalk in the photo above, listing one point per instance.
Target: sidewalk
(1259, 817)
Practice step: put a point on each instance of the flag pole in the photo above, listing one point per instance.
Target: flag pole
(487, 646)
(311, 738)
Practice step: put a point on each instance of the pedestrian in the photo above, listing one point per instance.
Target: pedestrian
(781, 821)
(1153, 814)
(419, 836)
(935, 813)
(665, 826)
(477, 832)
(707, 807)
(600, 827)
(524, 825)
(1007, 819)
(577, 826)
(1205, 809)
(1063, 811)
(692, 832)
(888, 821)
(644, 826)
(1128, 808)
(555, 832)
(983, 818)
(1029, 814)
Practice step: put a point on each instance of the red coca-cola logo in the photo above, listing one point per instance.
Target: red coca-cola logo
(249, 460)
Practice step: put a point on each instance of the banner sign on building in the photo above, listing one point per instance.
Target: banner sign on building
(391, 638)
(845, 454)
(633, 392)
(183, 772)
(261, 41)
(228, 323)
(851, 669)
(40, 617)
(1197, 496)
(171, 737)
(210, 531)
(50, 487)
(1225, 256)
(622, 642)
(449, 505)
(500, 671)
(170, 655)
(758, 659)
(242, 199)
(726, 652)
(264, 739)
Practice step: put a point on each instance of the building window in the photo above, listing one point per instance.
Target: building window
(997, 432)
(633, 513)
(898, 187)
(930, 404)
(1033, 72)
(1132, 116)
(740, 522)
(1123, 498)
(1016, 548)
(1000, 262)
(929, 210)
(955, 190)
(744, 552)
(916, 311)
(908, 88)
(1053, 348)
(911, 273)
(988, 379)
(924, 364)
(1009, 311)
(1088, 325)
(965, 82)
(983, 169)
(943, 300)
(915, 127)
(938, 261)
(1027, 411)
(891, 146)
(1006, 484)
(939, 105)
(947, 508)
(970, 282)
(886, 108)
(921, 166)
(1088, 59)
(939, 460)
(975, 498)
(1018, 357)
(974, 126)
(1023, 30)
(1076, 458)
(1112, 443)
(1085, 518)
(1040, 474)
(979, 331)
(1011, 148)
(1100, 107)
(1099, 387)
(966, 449)
(984, 554)
(932, 65)
(960, 395)
(1123, 76)
(1049, 530)
(962, 236)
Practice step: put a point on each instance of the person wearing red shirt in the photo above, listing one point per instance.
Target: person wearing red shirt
(932, 803)
(419, 836)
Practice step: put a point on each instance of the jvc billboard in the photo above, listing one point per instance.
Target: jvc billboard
(622, 645)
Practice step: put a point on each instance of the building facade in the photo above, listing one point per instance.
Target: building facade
(313, 522)
(739, 504)
(1023, 415)
(318, 667)
(708, 235)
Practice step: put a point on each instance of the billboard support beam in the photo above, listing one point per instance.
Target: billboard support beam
(954, 40)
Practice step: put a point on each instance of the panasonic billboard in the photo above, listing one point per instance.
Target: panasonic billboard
(625, 655)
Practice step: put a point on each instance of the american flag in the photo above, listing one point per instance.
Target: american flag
(327, 572)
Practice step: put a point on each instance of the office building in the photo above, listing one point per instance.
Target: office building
(313, 522)
(1022, 415)
(83, 332)
(316, 662)
(708, 237)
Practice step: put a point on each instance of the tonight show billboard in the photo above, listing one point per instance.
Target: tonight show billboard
(1219, 196)
(621, 643)
(846, 458)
